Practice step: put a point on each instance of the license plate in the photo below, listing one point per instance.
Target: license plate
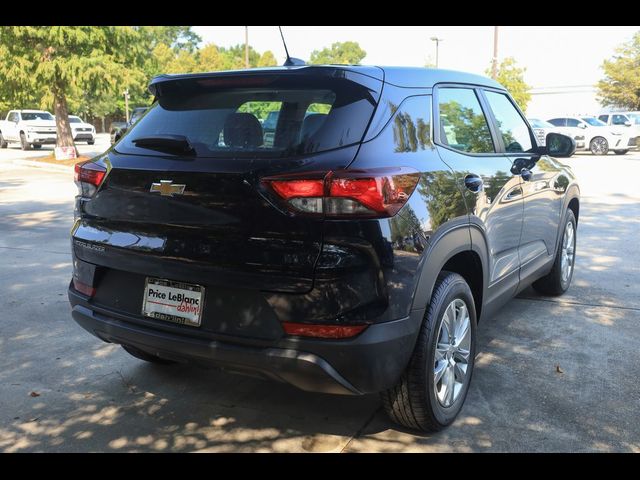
(175, 302)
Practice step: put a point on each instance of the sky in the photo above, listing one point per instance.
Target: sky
(553, 56)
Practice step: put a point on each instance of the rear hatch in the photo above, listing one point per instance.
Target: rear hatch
(182, 198)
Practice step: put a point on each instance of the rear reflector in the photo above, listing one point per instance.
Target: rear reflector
(85, 289)
(322, 331)
(374, 193)
(89, 172)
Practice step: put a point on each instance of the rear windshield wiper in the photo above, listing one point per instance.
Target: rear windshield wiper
(166, 143)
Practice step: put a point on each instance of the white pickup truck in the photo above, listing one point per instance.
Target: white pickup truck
(32, 128)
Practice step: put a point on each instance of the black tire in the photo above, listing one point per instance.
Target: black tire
(621, 152)
(554, 283)
(413, 402)
(147, 357)
(3, 142)
(599, 146)
(36, 147)
(90, 142)
(23, 142)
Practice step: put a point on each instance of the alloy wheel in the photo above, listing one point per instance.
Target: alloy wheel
(452, 353)
(568, 252)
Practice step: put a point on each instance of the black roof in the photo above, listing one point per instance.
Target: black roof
(400, 76)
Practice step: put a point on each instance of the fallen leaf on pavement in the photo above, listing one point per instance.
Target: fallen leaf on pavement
(34, 394)
(558, 369)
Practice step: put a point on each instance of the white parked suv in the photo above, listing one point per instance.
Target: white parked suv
(592, 134)
(542, 129)
(32, 128)
(622, 122)
(82, 131)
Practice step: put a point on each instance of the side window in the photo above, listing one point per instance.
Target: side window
(412, 125)
(558, 122)
(463, 125)
(572, 122)
(13, 116)
(515, 132)
(619, 119)
(603, 118)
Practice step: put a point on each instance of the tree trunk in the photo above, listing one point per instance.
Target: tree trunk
(63, 129)
(103, 129)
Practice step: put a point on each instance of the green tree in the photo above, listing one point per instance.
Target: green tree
(210, 59)
(267, 59)
(62, 60)
(234, 57)
(621, 85)
(344, 53)
(510, 76)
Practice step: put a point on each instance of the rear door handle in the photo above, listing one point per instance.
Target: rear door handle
(473, 182)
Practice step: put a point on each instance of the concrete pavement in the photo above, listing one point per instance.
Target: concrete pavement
(551, 375)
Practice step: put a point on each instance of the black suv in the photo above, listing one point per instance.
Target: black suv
(352, 253)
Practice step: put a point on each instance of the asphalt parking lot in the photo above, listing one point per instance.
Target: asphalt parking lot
(552, 374)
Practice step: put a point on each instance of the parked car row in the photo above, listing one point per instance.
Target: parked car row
(617, 132)
(34, 128)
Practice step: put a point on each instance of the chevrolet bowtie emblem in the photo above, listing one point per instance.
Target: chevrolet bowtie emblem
(167, 188)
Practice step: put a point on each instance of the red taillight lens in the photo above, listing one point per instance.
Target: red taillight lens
(372, 193)
(288, 189)
(89, 172)
(322, 331)
(83, 288)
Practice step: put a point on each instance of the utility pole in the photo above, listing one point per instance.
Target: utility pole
(437, 40)
(494, 61)
(126, 104)
(246, 47)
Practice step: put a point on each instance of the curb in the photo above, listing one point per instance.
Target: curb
(45, 165)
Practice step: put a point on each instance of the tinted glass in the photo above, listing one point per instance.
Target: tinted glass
(537, 123)
(411, 125)
(463, 125)
(13, 116)
(558, 122)
(37, 116)
(619, 120)
(74, 120)
(594, 122)
(604, 118)
(270, 121)
(513, 128)
(572, 122)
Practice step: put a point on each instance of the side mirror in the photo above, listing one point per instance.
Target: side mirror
(559, 145)
(627, 123)
(582, 125)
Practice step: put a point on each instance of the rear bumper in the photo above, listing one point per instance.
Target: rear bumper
(371, 362)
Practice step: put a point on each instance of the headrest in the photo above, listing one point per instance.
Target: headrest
(243, 130)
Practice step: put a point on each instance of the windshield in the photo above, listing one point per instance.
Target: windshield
(537, 123)
(37, 116)
(75, 120)
(594, 122)
(290, 116)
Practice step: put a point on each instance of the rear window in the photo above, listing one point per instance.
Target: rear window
(280, 117)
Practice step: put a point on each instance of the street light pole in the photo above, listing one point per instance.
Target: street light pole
(437, 40)
(126, 104)
(246, 47)
(494, 61)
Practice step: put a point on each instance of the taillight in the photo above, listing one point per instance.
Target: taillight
(83, 288)
(88, 177)
(374, 193)
(322, 331)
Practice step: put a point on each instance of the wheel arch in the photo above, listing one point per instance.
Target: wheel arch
(453, 251)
